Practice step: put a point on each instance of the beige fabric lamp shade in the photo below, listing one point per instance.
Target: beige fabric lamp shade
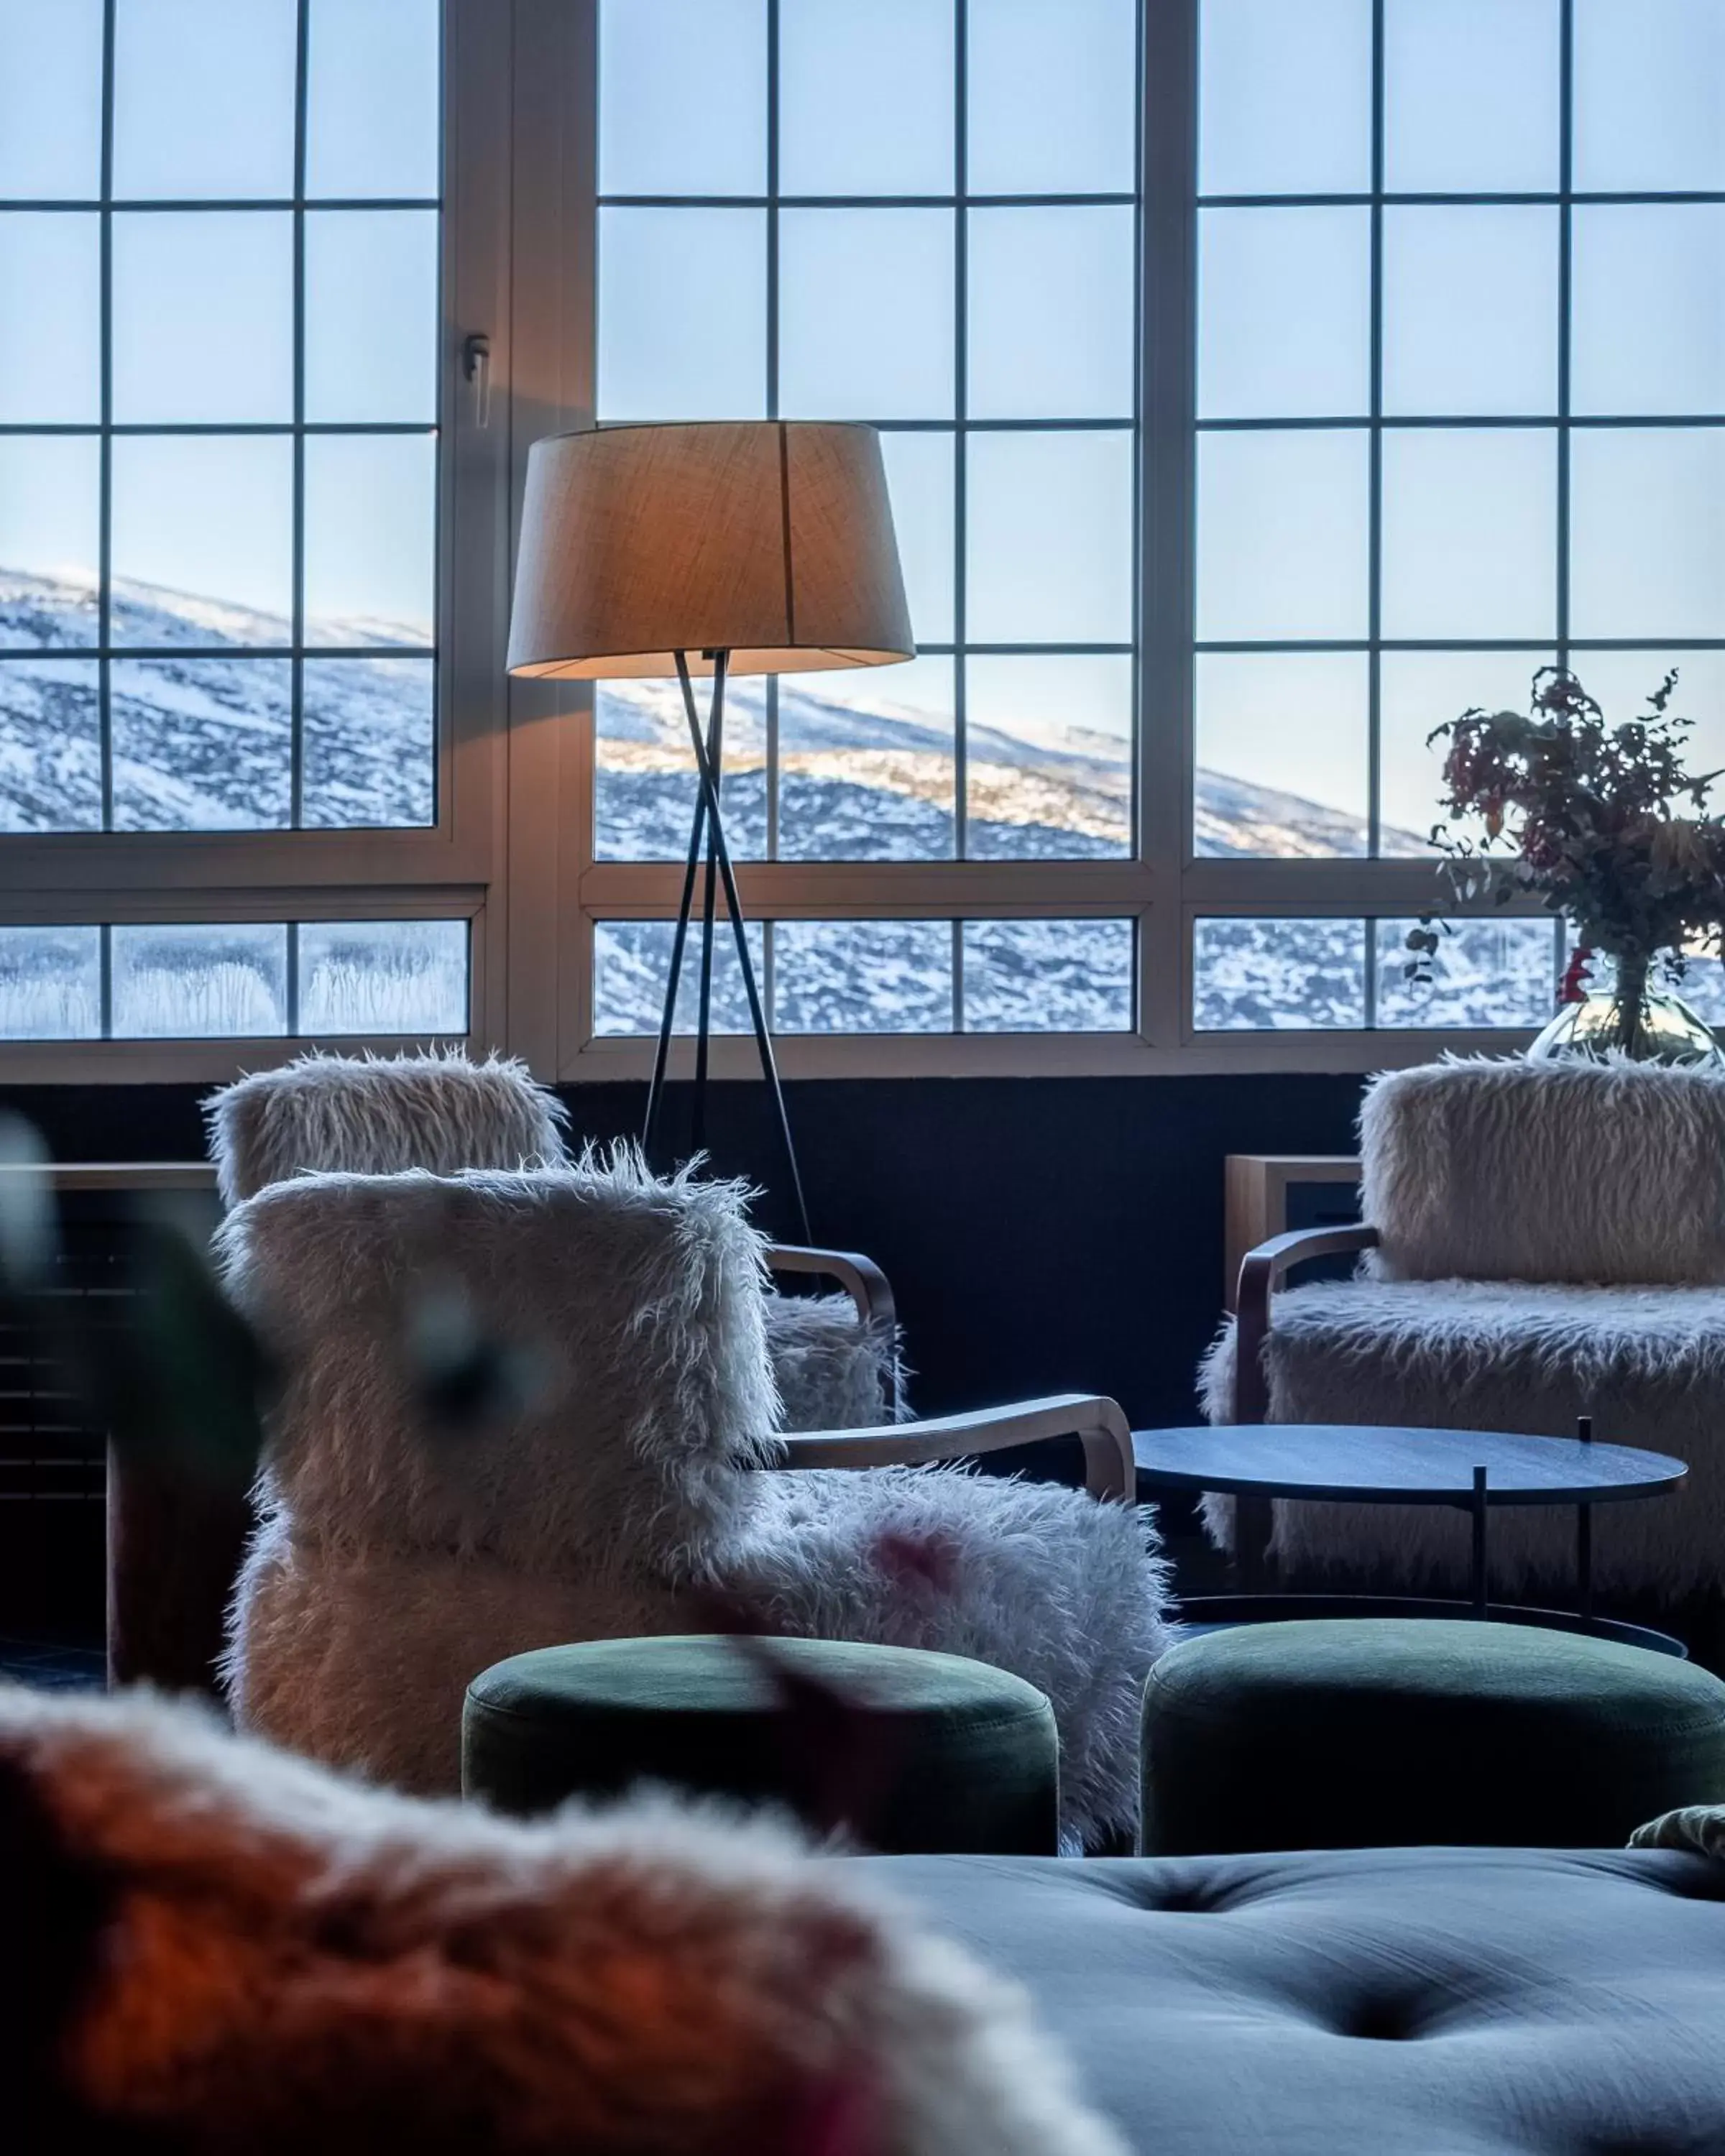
(769, 539)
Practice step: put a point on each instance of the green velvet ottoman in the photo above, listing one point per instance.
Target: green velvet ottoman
(951, 1754)
(1384, 1733)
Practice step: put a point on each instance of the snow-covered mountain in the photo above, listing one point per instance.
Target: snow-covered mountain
(873, 781)
(201, 742)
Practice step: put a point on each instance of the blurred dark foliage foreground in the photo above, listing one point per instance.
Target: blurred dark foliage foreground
(166, 1366)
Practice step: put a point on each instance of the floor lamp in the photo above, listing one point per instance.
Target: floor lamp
(713, 549)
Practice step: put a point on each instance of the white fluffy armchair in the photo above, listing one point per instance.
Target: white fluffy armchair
(524, 1408)
(837, 1357)
(1541, 1240)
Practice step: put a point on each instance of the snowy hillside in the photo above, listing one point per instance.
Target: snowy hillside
(203, 743)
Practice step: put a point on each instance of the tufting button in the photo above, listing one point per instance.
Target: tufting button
(1383, 2021)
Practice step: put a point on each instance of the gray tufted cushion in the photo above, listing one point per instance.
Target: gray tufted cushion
(1434, 2002)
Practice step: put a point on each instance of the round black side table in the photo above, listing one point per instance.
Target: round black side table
(1367, 1464)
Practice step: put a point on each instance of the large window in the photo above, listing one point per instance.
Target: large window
(1261, 383)
(1459, 383)
(221, 243)
(924, 216)
(217, 477)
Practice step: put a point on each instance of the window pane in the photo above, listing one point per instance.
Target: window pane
(644, 782)
(643, 775)
(866, 767)
(1648, 538)
(50, 984)
(1417, 691)
(863, 977)
(371, 538)
(1285, 105)
(1470, 311)
(1471, 96)
(50, 745)
(208, 519)
(1276, 975)
(202, 744)
(682, 314)
(203, 97)
(1281, 536)
(50, 302)
(1650, 308)
(1052, 97)
(1048, 976)
(1050, 538)
(49, 522)
(1483, 974)
(1283, 754)
(1702, 985)
(1469, 533)
(1049, 756)
(1284, 313)
(370, 976)
(865, 314)
(1072, 355)
(204, 316)
(683, 97)
(370, 315)
(373, 76)
(865, 90)
(919, 479)
(1647, 77)
(1622, 681)
(199, 981)
(369, 754)
(631, 964)
(51, 100)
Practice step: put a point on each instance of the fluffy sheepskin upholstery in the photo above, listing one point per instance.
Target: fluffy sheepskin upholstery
(1486, 1168)
(372, 1115)
(832, 1371)
(614, 1487)
(223, 1947)
(1553, 1244)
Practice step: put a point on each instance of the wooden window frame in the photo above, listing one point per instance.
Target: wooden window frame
(513, 848)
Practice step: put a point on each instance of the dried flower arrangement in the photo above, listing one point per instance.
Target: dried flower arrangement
(1587, 815)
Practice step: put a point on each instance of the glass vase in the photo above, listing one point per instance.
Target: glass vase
(1631, 1018)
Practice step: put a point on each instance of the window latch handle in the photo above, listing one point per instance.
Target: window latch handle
(476, 366)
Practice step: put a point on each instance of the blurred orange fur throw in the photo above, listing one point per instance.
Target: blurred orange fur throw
(211, 1945)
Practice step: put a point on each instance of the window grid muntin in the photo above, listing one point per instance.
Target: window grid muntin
(959, 648)
(106, 430)
(1562, 423)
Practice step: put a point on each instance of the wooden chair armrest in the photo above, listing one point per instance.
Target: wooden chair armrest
(1261, 1272)
(861, 1279)
(1097, 1423)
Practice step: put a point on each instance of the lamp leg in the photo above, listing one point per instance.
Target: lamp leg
(718, 849)
(703, 1029)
